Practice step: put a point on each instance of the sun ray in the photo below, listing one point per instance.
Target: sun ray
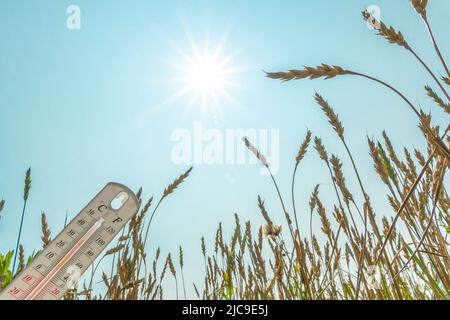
(204, 74)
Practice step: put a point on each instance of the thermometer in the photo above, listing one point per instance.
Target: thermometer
(60, 264)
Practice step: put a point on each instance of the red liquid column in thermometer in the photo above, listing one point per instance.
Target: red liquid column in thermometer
(36, 291)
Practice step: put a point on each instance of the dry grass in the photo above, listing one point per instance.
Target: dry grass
(360, 254)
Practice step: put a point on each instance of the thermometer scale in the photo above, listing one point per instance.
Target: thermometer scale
(60, 264)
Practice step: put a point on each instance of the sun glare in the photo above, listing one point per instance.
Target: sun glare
(204, 75)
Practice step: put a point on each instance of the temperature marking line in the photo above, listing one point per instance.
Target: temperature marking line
(37, 290)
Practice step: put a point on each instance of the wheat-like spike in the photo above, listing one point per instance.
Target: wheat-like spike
(318, 145)
(171, 266)
(446, 80)
(387, 163)
(114, 250)
(105, 280)
(326, 226)
(45, 231)
(389, 33)
(27, 187)
(379, 166)
(339, 178)
(316, 246)
(411, 165)
(147, 205)
(337, 257)
(139, 194)
(340, 217)
(158, 253)
(255, 151)
(303, 148)
(323, 71)
(272, 230)
(391, 150)
(2, 205)
(176, 183)
(420, 6)
(203, 246)
(433, 95)
(181, 257)
(163, 273)
(332, 116)
(420, 157)
(21, 259)
(314, 195)
(216, 241)
(263, 210)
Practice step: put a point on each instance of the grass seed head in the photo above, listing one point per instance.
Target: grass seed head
(420, 6)
(323, 71)
(320, 149)
(438, 100)
(45, 231)
(27, 187)
(389, 33)
(255, 152)
(332, 116)
(176, 183)
(272, 230)
(303, 148)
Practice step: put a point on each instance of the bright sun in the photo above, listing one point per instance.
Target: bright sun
(204, 75)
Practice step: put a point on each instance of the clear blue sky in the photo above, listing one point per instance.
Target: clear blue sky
(89, 106)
